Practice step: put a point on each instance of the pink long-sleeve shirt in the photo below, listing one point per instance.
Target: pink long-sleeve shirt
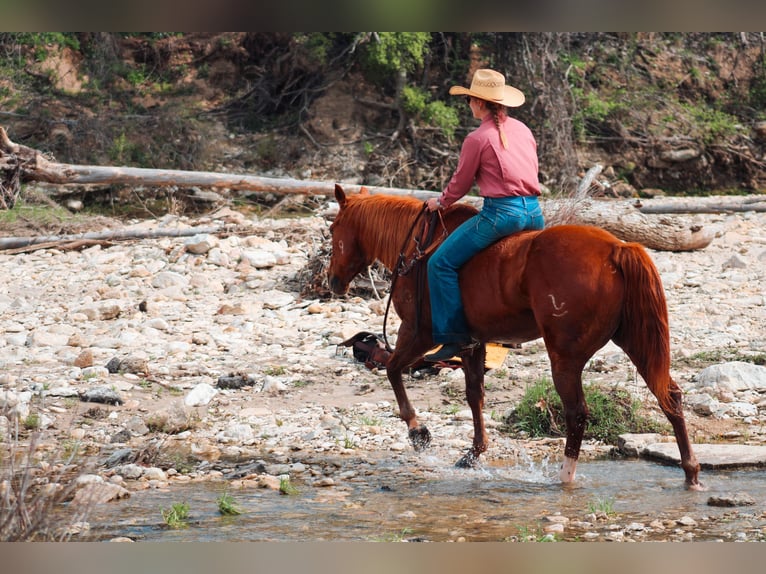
(499, 172)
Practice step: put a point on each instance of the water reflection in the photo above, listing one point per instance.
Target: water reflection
(492, 503)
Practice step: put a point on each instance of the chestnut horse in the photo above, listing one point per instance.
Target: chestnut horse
(575, 286)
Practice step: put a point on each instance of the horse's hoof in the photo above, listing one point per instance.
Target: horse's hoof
(420, 438)
(468, 460)
(697, 486)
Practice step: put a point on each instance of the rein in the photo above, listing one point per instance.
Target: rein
(424, 246)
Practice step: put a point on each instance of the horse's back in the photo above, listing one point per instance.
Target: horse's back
(556, 279)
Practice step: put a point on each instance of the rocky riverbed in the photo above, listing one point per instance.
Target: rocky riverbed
(167, 361)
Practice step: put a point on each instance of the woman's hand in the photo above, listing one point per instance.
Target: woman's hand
(433, 204)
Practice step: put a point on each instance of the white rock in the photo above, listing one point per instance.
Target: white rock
(166, 279)
(276, 299)
(201, 243)
(200, 395)
(240, 433)
(259, 259)
(734, 376)
(154, 473)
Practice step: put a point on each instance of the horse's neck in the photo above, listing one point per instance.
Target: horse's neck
(386, 242)
(385, 248)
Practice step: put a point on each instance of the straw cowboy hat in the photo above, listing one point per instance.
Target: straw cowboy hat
(490, 85)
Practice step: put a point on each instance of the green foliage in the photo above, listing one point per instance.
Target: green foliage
(176, 516)
(442, 116)
(757, 91)
(527, 534)
(593, 109)
(605, 505)
(316, 45)
(417, 103)
(712, 124)
(227, 506)
(39, 40)
(285, 487)
(388, 53)
(612, 412)
(32, 421)
(41, 214)
(400, 536)
(723, 355)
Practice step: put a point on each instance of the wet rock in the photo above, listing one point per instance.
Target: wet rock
(738, 499)
(633, 444)
(686, 521)
(130, 471)
(154, 473)
(98, 493)
(118, 457)
(251, 468)
(712, 455)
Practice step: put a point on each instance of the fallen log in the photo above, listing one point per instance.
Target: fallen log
(713, 204)
(35, 167)
(629, 224)
(114, 235)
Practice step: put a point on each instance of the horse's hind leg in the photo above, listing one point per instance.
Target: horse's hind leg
(567, 378)
(473, 366)
(674, 413)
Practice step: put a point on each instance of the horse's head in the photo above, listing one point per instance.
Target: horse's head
(348, 259)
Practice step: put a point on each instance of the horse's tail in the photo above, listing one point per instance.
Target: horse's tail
(644, 333)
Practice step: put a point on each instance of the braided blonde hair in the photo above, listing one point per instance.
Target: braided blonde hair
(498, 115)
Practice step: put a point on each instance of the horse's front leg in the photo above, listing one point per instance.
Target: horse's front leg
(473, 367)
(407, 349)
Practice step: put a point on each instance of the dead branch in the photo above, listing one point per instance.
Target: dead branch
(113, 235)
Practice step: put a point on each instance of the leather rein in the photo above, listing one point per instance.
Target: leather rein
(424, 246)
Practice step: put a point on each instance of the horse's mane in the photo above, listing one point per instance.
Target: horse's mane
(384, 222)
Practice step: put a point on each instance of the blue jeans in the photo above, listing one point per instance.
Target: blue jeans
(498, 217)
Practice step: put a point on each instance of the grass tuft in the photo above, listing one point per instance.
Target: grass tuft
(613, 411)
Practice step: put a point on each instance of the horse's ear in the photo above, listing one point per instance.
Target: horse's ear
(364, 191)
(340, 196)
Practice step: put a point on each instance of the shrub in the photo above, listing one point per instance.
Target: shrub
(613, 411)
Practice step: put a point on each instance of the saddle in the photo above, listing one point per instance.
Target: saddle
(370, 349)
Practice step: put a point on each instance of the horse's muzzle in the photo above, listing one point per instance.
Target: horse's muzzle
(337, 286)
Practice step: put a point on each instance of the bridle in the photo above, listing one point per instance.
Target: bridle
(424, 246)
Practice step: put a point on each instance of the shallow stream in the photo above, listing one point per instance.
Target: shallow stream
(612, 500)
